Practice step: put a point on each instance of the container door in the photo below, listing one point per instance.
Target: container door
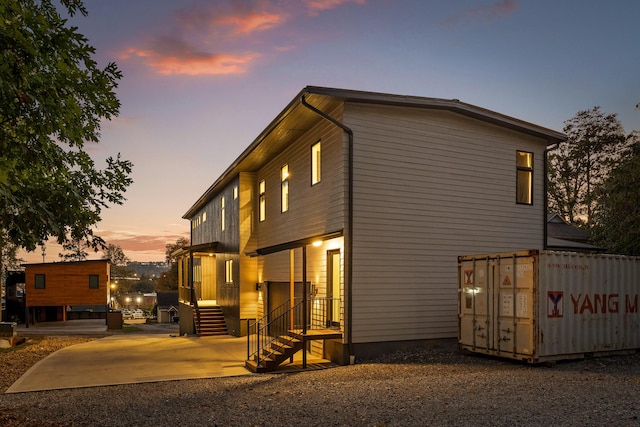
(476, 304)
(514, 306)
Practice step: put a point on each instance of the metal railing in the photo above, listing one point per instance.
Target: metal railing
(321, 313)
(266, 330)
(325, 313)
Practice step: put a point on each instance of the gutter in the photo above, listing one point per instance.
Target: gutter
(348, 235)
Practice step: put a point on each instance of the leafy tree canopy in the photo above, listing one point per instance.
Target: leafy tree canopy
(617, 215)
(53, 98)
(580, 164)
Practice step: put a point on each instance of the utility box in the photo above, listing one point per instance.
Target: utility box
(114, 321)
(539, 306)
(8, 329)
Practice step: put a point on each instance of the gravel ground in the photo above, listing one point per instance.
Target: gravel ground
(429, 386)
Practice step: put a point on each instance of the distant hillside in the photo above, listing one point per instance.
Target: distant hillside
(150, 269)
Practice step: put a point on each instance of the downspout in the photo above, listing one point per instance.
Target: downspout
(546, 196)
(349, 232)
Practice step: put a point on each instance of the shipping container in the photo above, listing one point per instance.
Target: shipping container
(539, 306)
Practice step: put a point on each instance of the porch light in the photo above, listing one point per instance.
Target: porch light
(317, 243)
(258, 286)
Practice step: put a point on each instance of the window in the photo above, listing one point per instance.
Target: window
(222, 213)
(204, 217)
(316, 171)
(235, 192)
(284, 187)
(228, 271)
(94, 281)
(524, 178)
(40, 281)
(262, 201)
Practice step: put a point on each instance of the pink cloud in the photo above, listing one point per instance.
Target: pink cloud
(484, 13)
(219, 38)
(256, 21)
(139, 242)
(173, 56)
(316, 6)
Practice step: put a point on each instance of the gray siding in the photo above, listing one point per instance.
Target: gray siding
(211, 230)
(430, 186)
(313, 210)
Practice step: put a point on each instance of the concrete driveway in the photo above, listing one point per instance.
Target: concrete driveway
(137, 358)
(125, 359)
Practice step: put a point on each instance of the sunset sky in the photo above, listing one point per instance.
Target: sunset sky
(203, 78)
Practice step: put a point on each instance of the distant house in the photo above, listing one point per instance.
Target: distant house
(562, 236)
(167, 306)
(365, 200)
(67, 290)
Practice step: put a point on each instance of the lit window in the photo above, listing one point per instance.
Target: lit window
(524, 178)
(235, 192)
(262, 201)
(222, 213)
(316, 171)
(204, 216)
(284, 186)
(228, 271)
(40, 281)
(94, 281)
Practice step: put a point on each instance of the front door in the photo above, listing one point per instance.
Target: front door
(333, 288)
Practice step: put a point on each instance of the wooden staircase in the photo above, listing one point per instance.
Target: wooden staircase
(279, 350)
(210, 322)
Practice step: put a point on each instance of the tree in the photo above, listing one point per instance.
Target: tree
(580, 164)
(53, 98)
(170, 248)
(168, 281)
(75, 251)
(617, 215)
(115, 254)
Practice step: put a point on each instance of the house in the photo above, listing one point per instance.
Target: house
(352, 207)
(63, 291)
(167, 306)
(562, 236)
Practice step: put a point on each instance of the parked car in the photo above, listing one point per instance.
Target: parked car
(138, 314)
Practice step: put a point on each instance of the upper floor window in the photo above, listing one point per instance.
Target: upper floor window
(222, 213)
(262, 204)
(316, 171)
(94, 281)
(40, 281)
(204, 216)
(235, 192)
(524, 177)
(284, 187)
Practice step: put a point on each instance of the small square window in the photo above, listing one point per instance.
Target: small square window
(40, 281)
(94, 281)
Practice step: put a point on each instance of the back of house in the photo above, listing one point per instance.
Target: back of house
(364, 201)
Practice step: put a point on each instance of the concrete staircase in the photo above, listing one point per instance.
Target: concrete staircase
(210, 322)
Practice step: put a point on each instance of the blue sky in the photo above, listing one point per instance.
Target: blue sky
(203, 78)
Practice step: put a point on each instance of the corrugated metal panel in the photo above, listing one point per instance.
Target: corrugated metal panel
(543, 305)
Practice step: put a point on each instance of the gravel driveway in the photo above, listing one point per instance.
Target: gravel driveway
(429, 386)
